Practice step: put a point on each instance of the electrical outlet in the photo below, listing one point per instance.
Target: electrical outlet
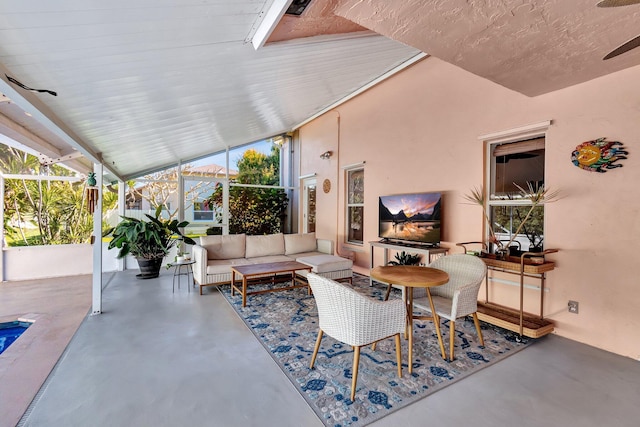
(572, 306)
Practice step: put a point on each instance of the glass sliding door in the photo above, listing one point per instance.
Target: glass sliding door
(309, 205)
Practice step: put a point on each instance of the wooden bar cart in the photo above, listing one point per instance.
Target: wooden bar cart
(528, 264)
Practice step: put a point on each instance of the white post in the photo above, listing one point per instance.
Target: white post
(97, 245)
(180, 184)
(122, 205)
(225, 197)
(2, 228)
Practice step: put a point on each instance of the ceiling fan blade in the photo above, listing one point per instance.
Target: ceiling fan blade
(625, 47)
(616, 3)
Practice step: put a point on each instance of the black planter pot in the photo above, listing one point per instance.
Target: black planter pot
(514, 251)
(149, 268)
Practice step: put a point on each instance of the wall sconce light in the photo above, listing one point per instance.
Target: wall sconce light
(326, 155)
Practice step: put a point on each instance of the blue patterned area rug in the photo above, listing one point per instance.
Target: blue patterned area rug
(286, 323)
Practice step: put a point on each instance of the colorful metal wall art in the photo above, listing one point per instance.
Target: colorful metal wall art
(598, 155)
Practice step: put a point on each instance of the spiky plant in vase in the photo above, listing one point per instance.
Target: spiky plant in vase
(477, 197)
(537, 196)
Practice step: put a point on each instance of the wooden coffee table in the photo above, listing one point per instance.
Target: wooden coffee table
(268, 272)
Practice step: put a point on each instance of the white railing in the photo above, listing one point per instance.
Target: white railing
(42, 262)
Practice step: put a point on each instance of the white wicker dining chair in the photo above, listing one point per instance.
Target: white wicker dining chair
(355, 319)
(457, 298)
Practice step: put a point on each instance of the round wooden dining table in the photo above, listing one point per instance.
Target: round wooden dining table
(413, 276)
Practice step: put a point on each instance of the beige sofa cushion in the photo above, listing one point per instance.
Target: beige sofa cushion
(269, 259)
(326, 263)
(222, 266)
(224, 247)
(298, 243)
(258, 246)
(305, 254)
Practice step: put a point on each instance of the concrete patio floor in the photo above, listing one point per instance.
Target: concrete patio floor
(57, 307)
(157, 358)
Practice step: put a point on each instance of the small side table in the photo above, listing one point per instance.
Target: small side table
(413, 276)
(177, 272)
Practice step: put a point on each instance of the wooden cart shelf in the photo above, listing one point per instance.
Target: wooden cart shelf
(508, 318)
(512, 264)
(516, 320)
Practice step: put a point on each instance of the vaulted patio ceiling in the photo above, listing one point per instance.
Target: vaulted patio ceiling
(142, 84)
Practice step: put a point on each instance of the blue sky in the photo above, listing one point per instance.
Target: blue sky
(234, 155)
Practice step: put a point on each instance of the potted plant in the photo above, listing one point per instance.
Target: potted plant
(537, 196)
(148, 240)
(182, 255)
(534, 233)
(477, 196)
(404, 258)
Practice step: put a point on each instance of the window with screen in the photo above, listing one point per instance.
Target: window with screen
(517, 167)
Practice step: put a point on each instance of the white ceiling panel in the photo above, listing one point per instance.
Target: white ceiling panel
(147, 83)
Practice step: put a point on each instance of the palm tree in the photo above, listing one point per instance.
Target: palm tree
(56, 207)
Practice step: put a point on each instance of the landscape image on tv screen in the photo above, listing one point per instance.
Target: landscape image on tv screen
(410, 217)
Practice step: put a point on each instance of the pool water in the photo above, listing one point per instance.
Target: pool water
(10, 331)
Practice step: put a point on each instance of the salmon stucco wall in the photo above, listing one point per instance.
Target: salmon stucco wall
(419, 131)
(325, 130)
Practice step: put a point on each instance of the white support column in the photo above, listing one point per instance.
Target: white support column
(225, 196)
(96, 301)
(122, 205)
(2, 228)
(180, 193)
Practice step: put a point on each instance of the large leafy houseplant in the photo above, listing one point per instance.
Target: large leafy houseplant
(148, 240)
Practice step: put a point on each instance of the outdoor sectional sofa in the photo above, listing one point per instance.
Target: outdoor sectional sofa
(215, 255)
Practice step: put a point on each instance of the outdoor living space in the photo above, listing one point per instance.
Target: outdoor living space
(394, 131)
(159, 358)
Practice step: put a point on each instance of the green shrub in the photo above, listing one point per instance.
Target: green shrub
(254, 211)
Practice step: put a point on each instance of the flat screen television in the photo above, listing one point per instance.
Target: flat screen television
(413, 218)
